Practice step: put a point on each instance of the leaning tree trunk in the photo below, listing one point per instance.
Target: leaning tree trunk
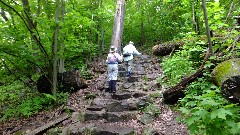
(118, 25)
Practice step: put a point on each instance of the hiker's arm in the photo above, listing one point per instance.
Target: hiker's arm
(135, 51)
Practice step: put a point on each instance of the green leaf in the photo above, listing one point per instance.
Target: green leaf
(201, 113)
(184, 110)
(220, 113)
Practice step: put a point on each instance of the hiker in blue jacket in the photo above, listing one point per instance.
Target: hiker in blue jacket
(113, 59)
(128, 51)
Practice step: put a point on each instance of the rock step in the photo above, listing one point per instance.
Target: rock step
(98, 129)
(110, 116)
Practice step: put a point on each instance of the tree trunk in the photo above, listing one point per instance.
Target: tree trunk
(231, 9)
(194, 18)
(55, 49)
(118, 25)
(61, 50)
(207, 27)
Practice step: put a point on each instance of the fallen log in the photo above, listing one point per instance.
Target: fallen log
(166, 48)
(48, 125)
(172, 95)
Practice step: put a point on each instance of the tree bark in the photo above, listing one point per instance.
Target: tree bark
(118, 25)
(61, 50)
(232, 6)
(55, 49)
(207, 27)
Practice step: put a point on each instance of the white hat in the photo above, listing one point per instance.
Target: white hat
(131, 42)
(112, 49)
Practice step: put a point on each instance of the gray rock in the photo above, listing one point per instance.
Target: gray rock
(121, 96)
(120, 116)
(116, 106)
(146, 118)
(94, 108)
(127, 85)
(93, 115)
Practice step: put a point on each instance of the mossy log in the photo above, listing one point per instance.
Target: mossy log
(227, 76)
(166, 48)
(67, 82)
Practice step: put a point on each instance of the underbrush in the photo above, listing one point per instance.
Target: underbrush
(203, 109)
(19, 101)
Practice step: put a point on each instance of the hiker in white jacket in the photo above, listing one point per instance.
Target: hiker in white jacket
(128, 51)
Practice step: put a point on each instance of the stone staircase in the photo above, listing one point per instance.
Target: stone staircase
(122, 113)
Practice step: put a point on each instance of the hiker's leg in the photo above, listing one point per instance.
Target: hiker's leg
(126, 66)
(110, 76)
(129, 70)
(114, 86)
(114, 78)
(110, 86)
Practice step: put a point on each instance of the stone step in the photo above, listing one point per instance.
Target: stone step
(110, 116)
(98, 129)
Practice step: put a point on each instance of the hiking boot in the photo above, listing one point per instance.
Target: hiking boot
(128, 74)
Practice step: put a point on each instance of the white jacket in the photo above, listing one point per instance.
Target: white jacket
(130, 48)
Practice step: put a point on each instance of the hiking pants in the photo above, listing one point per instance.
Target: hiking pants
(112, 71)
(129, 65)
(112, 76)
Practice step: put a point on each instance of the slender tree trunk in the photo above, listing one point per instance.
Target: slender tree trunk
(195, 26)
(55, 49)
(102, 33)
(61, 50)
(118, 25)
(207, 27)
(232, 6)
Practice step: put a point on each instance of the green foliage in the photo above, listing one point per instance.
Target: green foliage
(85, 72)
(175, 69)
(205, 111)
(11, 94)
(152, 109)
(33, 105)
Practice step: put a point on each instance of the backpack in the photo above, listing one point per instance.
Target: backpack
(112, 59)
(126, 54)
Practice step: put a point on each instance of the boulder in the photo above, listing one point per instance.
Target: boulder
(227, 76)
(67, 82)
(225, 70)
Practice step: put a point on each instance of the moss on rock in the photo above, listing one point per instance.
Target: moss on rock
(225, 70)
